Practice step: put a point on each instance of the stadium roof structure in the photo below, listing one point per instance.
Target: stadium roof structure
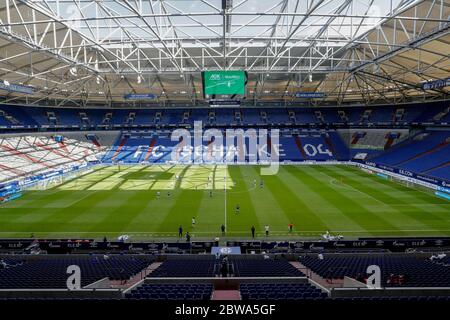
(82, 52)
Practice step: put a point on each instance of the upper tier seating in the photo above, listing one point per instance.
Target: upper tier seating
(47, 117)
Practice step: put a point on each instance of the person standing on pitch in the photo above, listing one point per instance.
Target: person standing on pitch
(253, 232)
(266, 228)
(238, 208)
(193, 222)
(188, 237)
(290, 226)
(222, 228)
(180, 231)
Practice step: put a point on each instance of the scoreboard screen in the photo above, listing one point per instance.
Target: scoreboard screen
(223, 83)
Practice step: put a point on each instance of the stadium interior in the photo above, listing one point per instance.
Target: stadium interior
(134, 136)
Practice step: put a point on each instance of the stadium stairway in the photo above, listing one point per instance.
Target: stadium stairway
(226, 295)
(121, 144)
(425, 153)
(320, 281)
(13, 170)
(55, 151)
(389, 142)
(442, 171)
(298, 143)
(134, 280)
(443, 165)
(24, 156)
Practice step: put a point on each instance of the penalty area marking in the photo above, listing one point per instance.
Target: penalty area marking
(343, 185)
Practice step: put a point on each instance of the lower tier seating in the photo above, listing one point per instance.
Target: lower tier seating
(397, 270)
(43, 272)
(280, 291)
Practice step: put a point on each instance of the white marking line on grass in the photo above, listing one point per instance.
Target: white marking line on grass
(412, 186)
(349, 187)
(70, 203)
(423, 191)
(231, 232)
(420, 204)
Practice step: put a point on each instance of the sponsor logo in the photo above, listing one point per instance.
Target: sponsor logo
(215, 77)
(406, 173)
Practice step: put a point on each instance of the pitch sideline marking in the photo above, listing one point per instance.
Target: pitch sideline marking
(349, 187)
(232, 232)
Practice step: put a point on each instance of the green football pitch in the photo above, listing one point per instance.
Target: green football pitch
(112, 201)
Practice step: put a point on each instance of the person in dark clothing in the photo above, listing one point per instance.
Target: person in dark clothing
(188, 237)
(105, 240)
(222, 228)
(253, 232)
(224, 268)
(180, 231)
(123, 278)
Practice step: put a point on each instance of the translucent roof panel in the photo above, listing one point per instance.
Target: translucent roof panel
(206, 20)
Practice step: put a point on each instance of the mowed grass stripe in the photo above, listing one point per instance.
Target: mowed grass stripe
(35, 199)
(267, 208)
(63, 218)
(292, 205)
(389, 213)
(46, 210)
(367, 218)
(431, 217)
(410, 193)
(125, 208)
(361, 205)
(410, 200)
(210, 213)
(54, 219)
(87, 181)
(401, 217)
(185, 205)
(247, 200)
(351, 209)
(94, 170)
(313, 190)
